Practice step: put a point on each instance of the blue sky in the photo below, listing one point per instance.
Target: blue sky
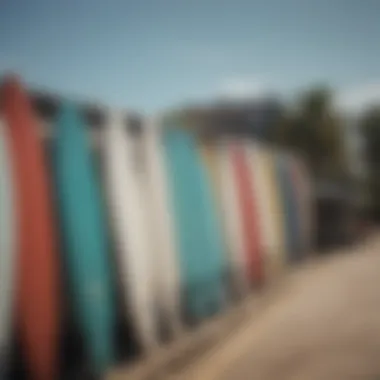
(153, 54)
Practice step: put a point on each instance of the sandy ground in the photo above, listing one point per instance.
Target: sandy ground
(324, 325)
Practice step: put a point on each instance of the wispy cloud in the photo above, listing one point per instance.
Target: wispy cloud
(356, 99)
(243, 88)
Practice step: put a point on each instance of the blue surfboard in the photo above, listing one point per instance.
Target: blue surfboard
(289, 203)
(84, 237)
(199, 240)
(298, 251)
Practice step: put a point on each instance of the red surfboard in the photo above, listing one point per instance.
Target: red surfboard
(37, 267)
(248, 211)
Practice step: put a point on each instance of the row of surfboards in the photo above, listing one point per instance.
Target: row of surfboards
(179, 226)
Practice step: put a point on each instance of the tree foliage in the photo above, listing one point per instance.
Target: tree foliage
(314, 129)
(370, 131)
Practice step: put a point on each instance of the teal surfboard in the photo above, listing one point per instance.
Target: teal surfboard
(289, 202)
(84, 237)
(199, 240)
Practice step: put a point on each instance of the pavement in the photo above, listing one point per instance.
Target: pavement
(323, 325)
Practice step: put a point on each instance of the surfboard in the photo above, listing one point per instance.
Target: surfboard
(289, 206)
(85, 238)
(129, 224)
(161, 228)
(209, 151)
(304, 196)
(233, 223)
(199, 240)
(269, 161)
(37, 299)
(267, 210)
(248, 211)
(209, 155)
(309, 205)
(295, 192)
(7, 247)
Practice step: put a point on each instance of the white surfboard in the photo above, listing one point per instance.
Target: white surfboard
(7, 246)
(129, 227)
(161, 228)
(270, 239)
(233, 223)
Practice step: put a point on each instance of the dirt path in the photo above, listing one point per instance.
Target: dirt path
(325, 326)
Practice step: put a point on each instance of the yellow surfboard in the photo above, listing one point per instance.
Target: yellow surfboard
(272, 212)
(216, 157)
